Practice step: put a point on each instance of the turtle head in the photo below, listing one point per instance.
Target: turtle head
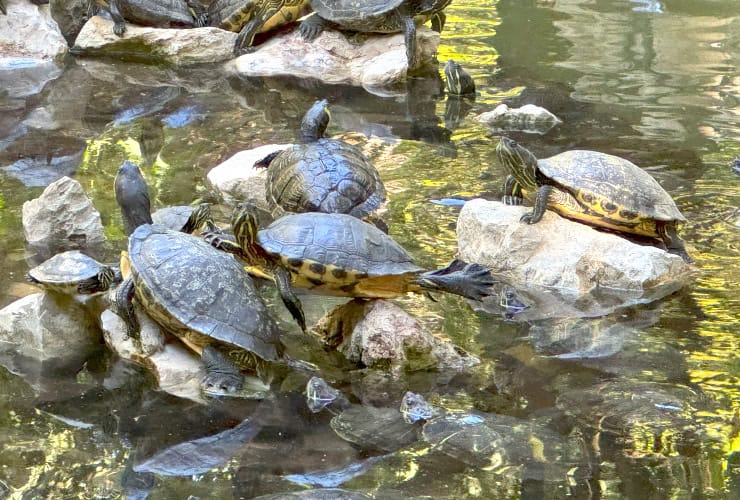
(459, 82)
(315, 121)
(245, 226)
(518, 161)
(132, 195)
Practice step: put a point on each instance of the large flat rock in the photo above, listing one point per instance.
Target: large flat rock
(29, 32)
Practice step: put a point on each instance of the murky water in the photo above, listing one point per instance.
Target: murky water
(641, 403)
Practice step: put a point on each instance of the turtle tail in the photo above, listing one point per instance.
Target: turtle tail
(472, 281)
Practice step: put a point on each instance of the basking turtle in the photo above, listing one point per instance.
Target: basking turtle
(158, 13)
(322, 175)
(591, 187)
(202, 296)
(73, 272)
(340, 255)
(249, 17)
(376, 16)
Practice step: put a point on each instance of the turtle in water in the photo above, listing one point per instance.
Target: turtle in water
(158, 13)
(249, 17)
(132, 195)
(458, 81)
(322, 175)
(202, 296)
(72, 272)
(376, 16)
(340, 255)
(591, 187)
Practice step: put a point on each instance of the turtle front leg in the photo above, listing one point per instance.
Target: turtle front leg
(282, 280)
(119, 24)
(221, 374)
(409, 35)
(123, 302)
(312, 27)
(512, 192)
(540, 205)
(673, 242)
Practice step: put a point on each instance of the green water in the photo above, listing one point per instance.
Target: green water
(654, 417)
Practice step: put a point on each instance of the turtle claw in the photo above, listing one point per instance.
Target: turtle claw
(119, 29)
(526, 218)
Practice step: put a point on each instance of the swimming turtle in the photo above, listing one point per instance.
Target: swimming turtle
(249, 17)
(591, 187)
(73, 272)
(202, 296)
(459, 82)
(132, 195)
(340, 255)
(158, 13)
(376, 16)
(322, 175)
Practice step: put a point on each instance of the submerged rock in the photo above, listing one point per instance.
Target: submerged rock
(562, 254)
(62, 218)
(529, 118)
(29, 32)
(174, 46)
(367, 61)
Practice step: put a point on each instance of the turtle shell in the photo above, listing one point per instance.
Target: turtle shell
(65, 271)
(375, 428)
(328, 176)
(189, 287)
(611, 186)
(334, 248)
(174, 217)
(157, 12)
(345, 12)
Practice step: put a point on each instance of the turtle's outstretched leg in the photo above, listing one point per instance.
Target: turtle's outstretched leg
(221, 374)
(540, 205)
(119, 26)
(282, 280)
(123, 302)
(409, 35)
(673, 242)
(313, 26)
(472, 281)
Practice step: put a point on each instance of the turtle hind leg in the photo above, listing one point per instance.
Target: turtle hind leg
(221, 374)
(409, 34)
(119, 24)
(674, 244)
(123, 302)
(472, 281)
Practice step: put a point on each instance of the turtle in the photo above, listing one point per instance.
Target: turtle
(132, 195)
(376, 16)
(322, 175)
(73, 272)
(158, 13)
(459, 82)
(249, 17)
(340, 255)
(202, 296)
(591, 187)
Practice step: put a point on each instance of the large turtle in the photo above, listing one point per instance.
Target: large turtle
(322, 175)
(202, 296)
(591, 187)
(249, 17)
(158, 13)
(340, 255)
(376, 16)
(73, 272)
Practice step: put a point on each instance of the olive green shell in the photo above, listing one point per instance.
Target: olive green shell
(161, 13)
(189, 287)
(325, 176)
(590, 176)
(374, 15)
(65, 272)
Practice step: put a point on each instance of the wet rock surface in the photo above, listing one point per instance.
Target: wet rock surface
(529, 118)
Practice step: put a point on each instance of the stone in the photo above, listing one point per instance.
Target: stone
(29, 33)
(173, 46)
(237, 179)
(62, 218)
(529, 118)
(70, 16)
(371, 61)
(26, 77)
(379, 334)
(563, 255)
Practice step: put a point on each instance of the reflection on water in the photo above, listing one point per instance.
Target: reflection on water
(602, 398)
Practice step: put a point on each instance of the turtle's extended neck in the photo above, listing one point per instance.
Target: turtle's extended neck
(518, 161)
(245, 226)
(315, 121)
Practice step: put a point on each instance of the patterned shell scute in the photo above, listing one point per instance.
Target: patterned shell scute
(337, 239)
(66, 268)
(202, 288)
(615, 178)
(327, 176)
(348, 11)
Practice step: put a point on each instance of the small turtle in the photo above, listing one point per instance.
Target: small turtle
(375, 428)
(322, 175)
(591, 187)
(340, 255)
(376, 16)
(459, 82)
(73, 272)
(158, 13)
(249, 17)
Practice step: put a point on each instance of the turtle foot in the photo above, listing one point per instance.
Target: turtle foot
(527, 218)
(119, 29)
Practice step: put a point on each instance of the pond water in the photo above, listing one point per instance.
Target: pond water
(641, 403)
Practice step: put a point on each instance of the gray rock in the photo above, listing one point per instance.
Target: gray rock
(35, 171)
(173, 46)
(529, 118)
(380, 334)
(70, 16)
(375, 61)
(29, 32)
(561, 254)
(63, 217)
(26, 77)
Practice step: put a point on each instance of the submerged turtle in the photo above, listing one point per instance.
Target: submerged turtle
(202, 296)
(322, 175)
(592, 187)
(376, 16)
(158, 13)
(73, 272)
(340, 255)
(249, 17)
